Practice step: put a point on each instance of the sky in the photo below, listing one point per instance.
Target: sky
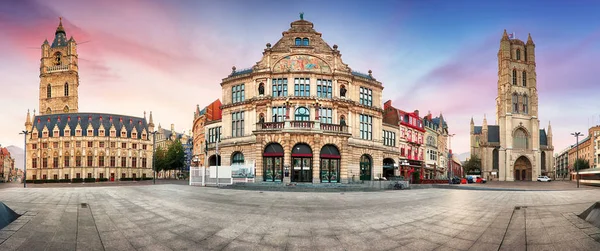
(438, 56)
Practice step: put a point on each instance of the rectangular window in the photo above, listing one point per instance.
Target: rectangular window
(113, 144)
(101, 161)
(237, 124)
(90, 160)
(366, 96)
(78, 161)
(90, 144)
(214, 135)
(123, 161)
(101, 175)
(34, 146)
(112, 161)
(123, 176)
(237, 93)
(66, 176)
(144, 147)
(78, 144)
(278, 114)
(302, 87)
(67, 144)
(45, 163)
(143, 162)
(55, 145)
(389, 138)
(134, 146)
(325, 115)
(34, 163)
(366, 127)
(324, 88)
(134, 162)
(44, 145)
(279, 87)
(101, 144)
(55, 162)
(89, 175)
(123, 145)
(67, 161)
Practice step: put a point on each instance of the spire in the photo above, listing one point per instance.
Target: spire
(151, 121)
(484, 125)
(529, 40)
(505, 35)
(549, 129)
(472, 122)
(60, 28)
(28, 120)
(46, 41)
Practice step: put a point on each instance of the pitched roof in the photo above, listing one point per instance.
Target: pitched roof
(543, 138)
(436, 120)
(85, 119)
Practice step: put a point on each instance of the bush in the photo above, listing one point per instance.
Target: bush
(89, 180)
(29, 181)
(64, 180)
(126, 179)
(38, 182)
(138, 179)
(147, 178)
(51, 181)
(103, 179)
(76, 180)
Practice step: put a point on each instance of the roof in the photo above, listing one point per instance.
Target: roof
(360, 74)
(543, 138)
(60, 37)
(168, 134)
(85, 119)
(494, 133)
(240, 72)
(477, 130)
(436, 121)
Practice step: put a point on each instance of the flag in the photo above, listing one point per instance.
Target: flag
(511, 35)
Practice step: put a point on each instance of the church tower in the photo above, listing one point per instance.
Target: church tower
(59, 75)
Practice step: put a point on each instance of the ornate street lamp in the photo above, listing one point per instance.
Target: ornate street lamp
(577, 134)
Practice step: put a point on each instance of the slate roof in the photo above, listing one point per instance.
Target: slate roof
(436, 120)
(360, 74)
(494, 133)
(543, 138)
(167, 135)
(85, 119)
(477, 130)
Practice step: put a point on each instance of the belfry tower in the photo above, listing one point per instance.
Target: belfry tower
(59, 75)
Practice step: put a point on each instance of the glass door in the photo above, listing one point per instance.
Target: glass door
(330, 170)
(273, 169)
(302, 169)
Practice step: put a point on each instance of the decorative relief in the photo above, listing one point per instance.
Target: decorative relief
(301, 63)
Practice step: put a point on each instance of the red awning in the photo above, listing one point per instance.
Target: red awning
(273, 154)
(302, 155)
(330, 156)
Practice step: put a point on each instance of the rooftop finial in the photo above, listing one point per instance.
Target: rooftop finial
(301, 15)
(60, 26)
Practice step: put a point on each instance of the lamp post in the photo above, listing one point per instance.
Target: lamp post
(577, 134)
(25, 133)
(153, 159)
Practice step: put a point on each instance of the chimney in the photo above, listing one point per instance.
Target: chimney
(417, 112)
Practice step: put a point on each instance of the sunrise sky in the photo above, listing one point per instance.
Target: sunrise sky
(438, 56)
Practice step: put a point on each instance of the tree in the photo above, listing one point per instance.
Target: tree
(581, 164)
(160, 159)
(473, 163)
(175, 156)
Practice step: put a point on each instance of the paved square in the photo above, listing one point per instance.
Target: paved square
(178, 217)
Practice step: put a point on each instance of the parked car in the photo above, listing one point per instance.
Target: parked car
(543, 179)
(455, 180)
(481, 180)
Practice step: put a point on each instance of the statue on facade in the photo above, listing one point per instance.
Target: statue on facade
(343, 91)
(261, 89)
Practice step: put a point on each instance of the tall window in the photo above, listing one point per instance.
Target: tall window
(237, 93)
(302, 87)
(520, 139)
(78, 161)
(524, 78)
(305, 41)
(101, 161)
(515, 101)
(55, 162)
(237, 159)
(48, 91)
(67, 161)
(90, 160)
(214, 134)
(279, 87)
(134, 162)
(144, 162)
(112, 161)
(237, 124)
(66, 89)
(525, 54)
(123, 161)
(298, 41)
(325, 115)
(525, 106)
(389, 138)
(44, 162)
(278, 114)
(34, 162)
(366, 127)
(518, 54)
(366, 96)
(495, 159)
(302, 114)
(514, 76)
(324, 89)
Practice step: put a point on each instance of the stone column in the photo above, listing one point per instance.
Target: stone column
(316, 167)
(287, 162)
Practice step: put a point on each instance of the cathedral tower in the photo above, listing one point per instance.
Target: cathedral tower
(59, 75)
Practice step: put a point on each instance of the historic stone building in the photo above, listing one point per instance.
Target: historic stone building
(516, 148)
(586, 149)
(65, 144)
(208, 114)
(164, 137)
(300, 114)
(436, 151)
(7, 164)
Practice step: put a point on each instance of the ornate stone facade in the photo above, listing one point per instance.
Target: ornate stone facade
(65, 144)
(516, 148)
(302, 115)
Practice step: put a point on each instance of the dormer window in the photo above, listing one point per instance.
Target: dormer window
(45, 134)
(134, 135)
(143, 136)
(113, 133)
(101, 133)
(67, 132)
(55, 133)
(90, 132)
(77, 132)
(35, 135)
(123, 134)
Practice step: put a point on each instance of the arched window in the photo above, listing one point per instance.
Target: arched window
(237, 158)
(514, 75)
(365, 167)
(525, 54)
(57, 58)
(48, 111)
(520, 139)
(524, 78)
(48, 91)
(66, 109)
(66, 89)
(543, 160)
(305, 41)
(298, 41)
(302, 114)
(515, 101)
(525, 104)
(518, 54)
(495, 159)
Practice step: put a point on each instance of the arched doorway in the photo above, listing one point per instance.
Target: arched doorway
(212, 160)
(522, 169)
(388, 168)
(330, 164)
(365, 167)
(273, 163)
(302, 163)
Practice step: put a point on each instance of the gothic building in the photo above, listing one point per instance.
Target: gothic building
(65, 144)
(516, 148)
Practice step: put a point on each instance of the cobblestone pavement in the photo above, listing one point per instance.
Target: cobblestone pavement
(533, 185)
(177, 217)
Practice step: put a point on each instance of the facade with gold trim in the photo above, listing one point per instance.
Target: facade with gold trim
(65, 144)
(300, 114)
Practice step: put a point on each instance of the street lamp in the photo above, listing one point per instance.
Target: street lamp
(153, 152)
(577, 134)
(25, 133)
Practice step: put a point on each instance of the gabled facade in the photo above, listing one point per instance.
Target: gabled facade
(411, 138)
(209, 114)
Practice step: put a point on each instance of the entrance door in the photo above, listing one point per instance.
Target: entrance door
(273, 168)
(365, 167)
(330, 170)
(522, 169)
(302, 169)
(112, 176)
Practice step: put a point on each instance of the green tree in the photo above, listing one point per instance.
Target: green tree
(581, 164)
(160, 159)
(473, 163)
(175, 156)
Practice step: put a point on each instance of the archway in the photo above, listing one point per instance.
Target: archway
(330, 164)
(273, 162)
(365, 167)
(522, 169)
(302, 163)
(388, 168)
(212, 160)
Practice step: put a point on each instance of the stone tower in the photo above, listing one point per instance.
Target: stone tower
(59, 75)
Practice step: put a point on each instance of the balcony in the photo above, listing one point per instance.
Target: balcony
(57, 68)
(266, 126)
(334, 128)
(297, 125)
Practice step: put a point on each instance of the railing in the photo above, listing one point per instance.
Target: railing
(302, 124)
(269, 126)
(334, 128)
(56, 68)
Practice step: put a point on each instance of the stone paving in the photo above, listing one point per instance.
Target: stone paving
(178, 217)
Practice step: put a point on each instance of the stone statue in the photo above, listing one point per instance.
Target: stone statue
(261, 89)
(301, 15)
(343, 92)
(342, 122)
(261, 119)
